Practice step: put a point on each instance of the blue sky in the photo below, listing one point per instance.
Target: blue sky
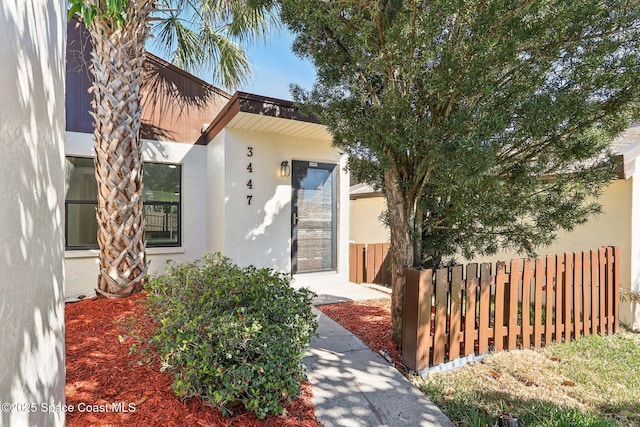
(274, 66)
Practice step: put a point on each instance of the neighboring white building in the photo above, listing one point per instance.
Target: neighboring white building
(32, 354)
(618, 225)
(244, 175)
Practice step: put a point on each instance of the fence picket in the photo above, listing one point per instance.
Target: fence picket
(578, 283)
(485, 302)
(595, 313)
(567, 307)
(538, 327)
(455, 337)
(527, 275)
(559, 289)
(499, 304)
(370, 270)
(471, 297)
(549, 293)
(616, 289)
(586, 293)
(440, 330)
(512, 317)
(610, 287)
(416, 334)
(603, 298)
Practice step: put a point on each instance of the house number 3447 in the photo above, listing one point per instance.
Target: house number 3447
(250, 170)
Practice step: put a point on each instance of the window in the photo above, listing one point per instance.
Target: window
(161, 204)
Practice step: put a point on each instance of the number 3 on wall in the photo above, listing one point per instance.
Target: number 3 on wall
(250, 169)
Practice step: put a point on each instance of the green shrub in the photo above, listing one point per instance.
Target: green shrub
(232, 335)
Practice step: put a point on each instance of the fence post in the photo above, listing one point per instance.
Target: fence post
(416, 332)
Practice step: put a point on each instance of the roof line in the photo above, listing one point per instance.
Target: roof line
(154, 58)
(244, 102)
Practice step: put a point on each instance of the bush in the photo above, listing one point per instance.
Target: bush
(232, 335)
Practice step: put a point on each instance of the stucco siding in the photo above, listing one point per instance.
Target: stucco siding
(634, 308)
(260, 232)
(32, 42)
(216, 185)
(366, 226)
(82, 265)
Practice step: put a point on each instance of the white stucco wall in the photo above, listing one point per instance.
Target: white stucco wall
(32, 354)
(260, 234)
(82, 265)
(216, 193)
(366, 226)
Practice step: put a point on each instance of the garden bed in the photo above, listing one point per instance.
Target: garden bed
(114, 378)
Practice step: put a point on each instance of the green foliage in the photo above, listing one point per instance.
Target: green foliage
(495, 117)
(209, 34)
(88, 10)
(232, 335)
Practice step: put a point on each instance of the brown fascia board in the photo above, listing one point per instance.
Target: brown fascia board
(253, 104)
(357, 196)
(274, 107)
(223, 118)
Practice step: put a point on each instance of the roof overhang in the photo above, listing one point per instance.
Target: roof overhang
(263, 114)
(627, 147)
(363, 191)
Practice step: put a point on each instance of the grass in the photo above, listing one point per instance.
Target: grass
(594, 381)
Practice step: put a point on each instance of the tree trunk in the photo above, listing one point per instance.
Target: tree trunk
(401, 249)
(117, 59)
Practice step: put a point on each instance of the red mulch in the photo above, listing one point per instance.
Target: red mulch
(102, 372)
(368, 320)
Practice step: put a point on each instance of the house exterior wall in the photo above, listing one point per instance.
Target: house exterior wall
(634, 308)
(32, 42)
(216, 193)
(611, 228)
(260, 233)
(82, 265)
(616, 226)
(366, 226)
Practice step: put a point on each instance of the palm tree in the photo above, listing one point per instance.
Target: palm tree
(196, 33)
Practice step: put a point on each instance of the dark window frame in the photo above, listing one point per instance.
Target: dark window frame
(149, 244)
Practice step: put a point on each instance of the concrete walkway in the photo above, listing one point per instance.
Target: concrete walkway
(352, 385)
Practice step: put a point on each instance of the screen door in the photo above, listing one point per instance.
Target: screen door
(313, 216)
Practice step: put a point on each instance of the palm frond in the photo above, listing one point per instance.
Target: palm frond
(227, 59)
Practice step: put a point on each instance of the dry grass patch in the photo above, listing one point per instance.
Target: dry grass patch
(590, 382)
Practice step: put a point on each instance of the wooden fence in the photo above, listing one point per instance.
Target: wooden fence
(369, 263)
(449, 314)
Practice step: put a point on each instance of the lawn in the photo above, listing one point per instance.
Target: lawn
(594, 381)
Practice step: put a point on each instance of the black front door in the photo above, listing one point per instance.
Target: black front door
(313, 216)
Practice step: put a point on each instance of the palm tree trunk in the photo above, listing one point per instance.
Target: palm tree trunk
(117, 59)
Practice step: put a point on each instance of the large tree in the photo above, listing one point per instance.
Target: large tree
(485, 123)
(194, 33)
